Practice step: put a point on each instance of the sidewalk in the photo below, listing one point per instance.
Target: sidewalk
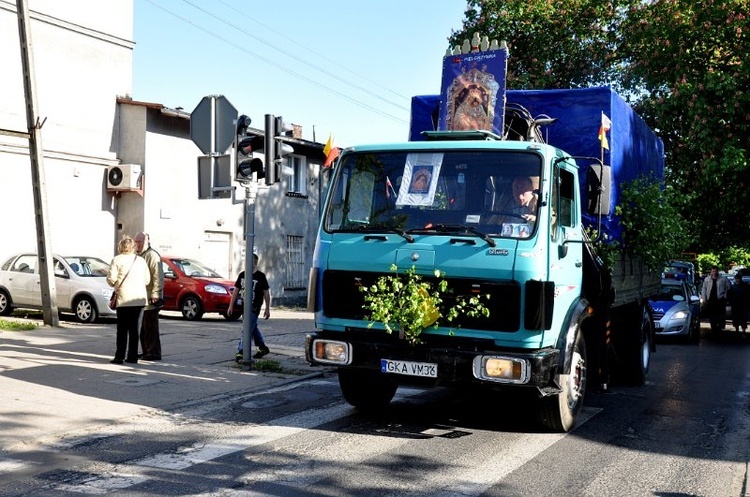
(58, 380)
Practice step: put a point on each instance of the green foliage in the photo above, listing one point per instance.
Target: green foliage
(724, 259)
(13, 325)
(553, 44)
(606, 251)
(652, 226)
(706, 261)
(682, 64)
(408, 304)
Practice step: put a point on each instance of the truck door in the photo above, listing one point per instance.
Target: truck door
(566, 256)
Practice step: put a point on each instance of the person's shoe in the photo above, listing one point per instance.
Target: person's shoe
(116, 361)
(131, 362)
(238, 357)
(150, 358)
(262, 351)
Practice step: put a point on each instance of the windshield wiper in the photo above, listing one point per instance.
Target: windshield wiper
(460, 229)
(374, 228)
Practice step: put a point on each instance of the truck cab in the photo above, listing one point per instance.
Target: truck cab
(497, 218)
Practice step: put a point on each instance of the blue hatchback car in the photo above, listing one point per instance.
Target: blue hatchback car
(676, 310)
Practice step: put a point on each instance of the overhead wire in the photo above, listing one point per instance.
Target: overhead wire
(275, 64)
(322, 56)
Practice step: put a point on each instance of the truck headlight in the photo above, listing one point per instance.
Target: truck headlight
(332, 352)
(501, 369)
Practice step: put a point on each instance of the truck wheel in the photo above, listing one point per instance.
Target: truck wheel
(639, 351)
(559, 412)
(366, 390)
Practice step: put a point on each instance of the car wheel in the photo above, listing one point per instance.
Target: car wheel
(694, 335)
(5, 307)
(192, 308)
(85, 310)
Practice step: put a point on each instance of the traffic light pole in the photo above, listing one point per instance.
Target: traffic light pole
(250, 321)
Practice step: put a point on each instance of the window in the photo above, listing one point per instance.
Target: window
(563, 201)
(297, 182)
(295, 263)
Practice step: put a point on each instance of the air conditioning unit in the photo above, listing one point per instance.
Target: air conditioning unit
(124, 177)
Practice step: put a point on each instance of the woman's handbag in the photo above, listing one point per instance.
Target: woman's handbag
(113, 298)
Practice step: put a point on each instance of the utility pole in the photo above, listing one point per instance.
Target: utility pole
(39, 186)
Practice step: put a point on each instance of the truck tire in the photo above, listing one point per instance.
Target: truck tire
(639, 348)
(559, 412)
(366, 390)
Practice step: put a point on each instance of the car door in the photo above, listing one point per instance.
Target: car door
(171, 286)
(63, 283)
(694, 301)
(23, 281)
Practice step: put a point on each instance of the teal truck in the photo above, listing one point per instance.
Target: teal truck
(559, 318)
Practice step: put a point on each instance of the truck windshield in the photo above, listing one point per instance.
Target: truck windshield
(482, 192)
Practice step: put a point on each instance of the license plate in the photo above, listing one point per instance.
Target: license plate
(409, 368)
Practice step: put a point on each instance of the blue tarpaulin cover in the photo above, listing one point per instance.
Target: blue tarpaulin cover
(634, 149)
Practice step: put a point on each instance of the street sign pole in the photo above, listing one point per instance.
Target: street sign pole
(251, 320)
(212, 129)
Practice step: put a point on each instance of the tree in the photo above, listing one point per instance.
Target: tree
(553, 44)
(687, 57)
(682, 66)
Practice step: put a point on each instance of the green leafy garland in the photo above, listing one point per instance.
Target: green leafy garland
(408, 304)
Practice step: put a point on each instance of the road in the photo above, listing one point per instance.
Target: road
(685, 433)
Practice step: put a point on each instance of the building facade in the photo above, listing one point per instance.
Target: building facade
(83, 61)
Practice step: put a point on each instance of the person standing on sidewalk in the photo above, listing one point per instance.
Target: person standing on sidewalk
(714, 293)
(737, 295)
(129, 275)
(150, 341)
(261, 295)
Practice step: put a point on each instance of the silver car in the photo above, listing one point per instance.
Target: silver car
(676, 310)
(80, 283)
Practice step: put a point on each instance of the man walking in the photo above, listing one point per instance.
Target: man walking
(714, 294)
(150, 341)
(261, 295)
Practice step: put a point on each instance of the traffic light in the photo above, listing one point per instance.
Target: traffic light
(245, 145)
(283, 130)
(275, 147)
(270, 149)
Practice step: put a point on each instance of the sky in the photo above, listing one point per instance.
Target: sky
(337, 68)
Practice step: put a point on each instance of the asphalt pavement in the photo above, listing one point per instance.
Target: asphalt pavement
(58, 381)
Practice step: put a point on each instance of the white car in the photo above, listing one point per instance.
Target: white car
(80, 284)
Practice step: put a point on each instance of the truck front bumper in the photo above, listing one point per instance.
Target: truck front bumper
(440, 361)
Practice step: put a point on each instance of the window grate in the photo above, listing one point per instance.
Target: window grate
(295, 262)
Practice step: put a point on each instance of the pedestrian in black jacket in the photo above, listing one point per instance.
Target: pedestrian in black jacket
(738, 296)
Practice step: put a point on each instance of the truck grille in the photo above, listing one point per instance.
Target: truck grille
(343, 299)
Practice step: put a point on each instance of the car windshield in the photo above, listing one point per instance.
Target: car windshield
(446, 191)
(194, 268)
(671, 292)
(87, 266)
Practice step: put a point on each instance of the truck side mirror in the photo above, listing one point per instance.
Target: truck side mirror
(562, 250)
(598, 181)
